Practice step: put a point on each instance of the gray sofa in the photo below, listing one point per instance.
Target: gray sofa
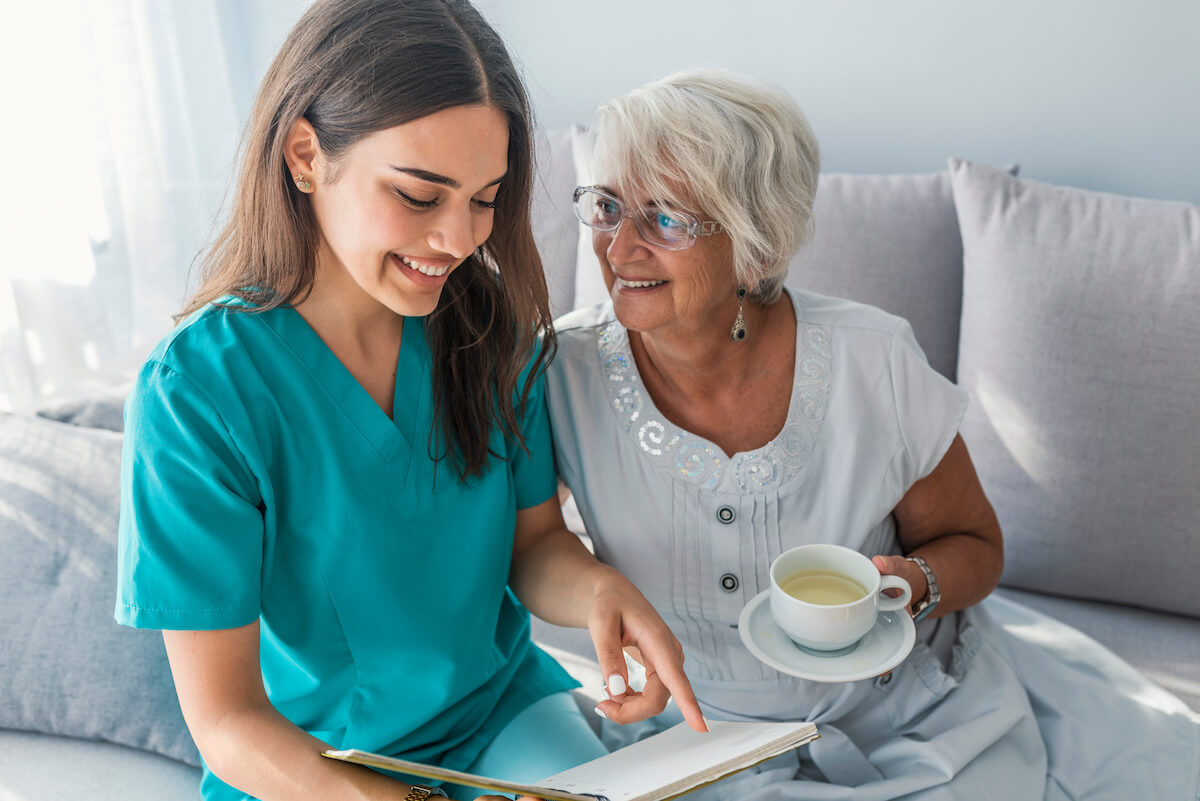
(1072, 318)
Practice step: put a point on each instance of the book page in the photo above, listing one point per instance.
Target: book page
(679, 758)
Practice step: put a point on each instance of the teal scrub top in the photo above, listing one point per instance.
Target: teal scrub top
(260, 481)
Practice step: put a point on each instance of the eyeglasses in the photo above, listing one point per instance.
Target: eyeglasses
(665, 228)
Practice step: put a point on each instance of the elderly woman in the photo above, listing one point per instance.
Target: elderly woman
(707, 419)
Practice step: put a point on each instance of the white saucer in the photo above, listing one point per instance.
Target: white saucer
(880, 650)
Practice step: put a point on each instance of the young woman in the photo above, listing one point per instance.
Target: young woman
(338, 491)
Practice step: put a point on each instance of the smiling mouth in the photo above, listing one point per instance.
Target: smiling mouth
(426, 269)
(638, 284)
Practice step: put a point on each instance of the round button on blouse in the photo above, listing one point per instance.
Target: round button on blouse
(726, 515)
(729, 582)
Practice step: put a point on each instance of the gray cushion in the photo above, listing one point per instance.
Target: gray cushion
(103, 408)
(891, 241)
(66, 667)
(1080, 348)
(38, 767)
(1166, 648)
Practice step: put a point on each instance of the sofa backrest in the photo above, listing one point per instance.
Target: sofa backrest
(891, 241)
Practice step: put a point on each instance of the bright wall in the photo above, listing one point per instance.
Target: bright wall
(1102, 94)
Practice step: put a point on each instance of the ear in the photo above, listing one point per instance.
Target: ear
(302, 151)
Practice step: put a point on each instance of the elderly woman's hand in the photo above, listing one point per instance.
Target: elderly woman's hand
(900, 566)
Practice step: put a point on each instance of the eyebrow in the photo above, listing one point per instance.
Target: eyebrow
(434, 178)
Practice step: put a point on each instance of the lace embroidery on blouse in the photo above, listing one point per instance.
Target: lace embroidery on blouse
(696, 460)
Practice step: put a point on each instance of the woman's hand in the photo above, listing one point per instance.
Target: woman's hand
(621, 618)
(900, 566)
(558, 580)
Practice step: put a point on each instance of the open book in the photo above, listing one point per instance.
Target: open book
(657, 768)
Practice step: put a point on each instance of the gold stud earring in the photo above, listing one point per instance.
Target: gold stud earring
(302, 183)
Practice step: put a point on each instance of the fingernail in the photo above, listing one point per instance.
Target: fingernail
(616, 684)
(600, 712)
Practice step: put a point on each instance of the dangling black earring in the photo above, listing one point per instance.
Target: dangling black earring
(738, 332)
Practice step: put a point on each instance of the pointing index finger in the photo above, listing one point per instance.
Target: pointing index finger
(681, 690)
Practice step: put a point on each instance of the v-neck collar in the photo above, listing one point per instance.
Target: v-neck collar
(395, 440)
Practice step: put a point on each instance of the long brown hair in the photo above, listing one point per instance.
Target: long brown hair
(353, 67)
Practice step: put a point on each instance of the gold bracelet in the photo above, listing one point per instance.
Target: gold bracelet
(420, 792)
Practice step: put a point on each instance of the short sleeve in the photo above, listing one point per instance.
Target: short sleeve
(533, 473)
(190, 540)
(929, 408)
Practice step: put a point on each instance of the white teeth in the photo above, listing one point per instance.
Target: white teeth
(425, 268)
(639, 284)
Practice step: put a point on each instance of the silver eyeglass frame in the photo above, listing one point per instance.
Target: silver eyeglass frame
(695, 228)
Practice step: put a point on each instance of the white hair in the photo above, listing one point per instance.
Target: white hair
(740, 151)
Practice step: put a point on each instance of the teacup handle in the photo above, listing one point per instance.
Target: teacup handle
(888, 604)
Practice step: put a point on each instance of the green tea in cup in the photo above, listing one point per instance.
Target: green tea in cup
(822, 587)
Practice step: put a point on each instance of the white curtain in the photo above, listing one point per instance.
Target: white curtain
(118, 131)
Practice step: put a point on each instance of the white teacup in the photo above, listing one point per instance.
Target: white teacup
(844, 592)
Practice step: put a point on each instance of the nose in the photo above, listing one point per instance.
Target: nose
(453, 232)
(623, 241)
